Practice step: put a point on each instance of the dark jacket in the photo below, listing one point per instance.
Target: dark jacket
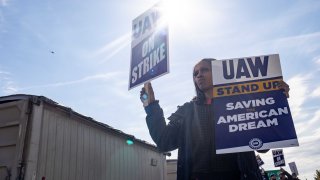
(177, 134)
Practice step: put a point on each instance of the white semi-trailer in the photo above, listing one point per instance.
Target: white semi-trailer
(40, 139)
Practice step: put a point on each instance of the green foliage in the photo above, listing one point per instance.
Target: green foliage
(317, 175)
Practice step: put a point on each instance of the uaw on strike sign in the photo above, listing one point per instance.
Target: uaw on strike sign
(278, 158)
(251, 112)
(149, 47)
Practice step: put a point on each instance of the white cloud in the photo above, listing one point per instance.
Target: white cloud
(300, 44)
(112, 48)
(4, 73)
(3, 2)
(311, 125)
(307, 43)
(1, 21)
(316, 60)
(104, 76)
(305, 155)
(298, 93)
(35, 32)
(316, 92)
(10, 89)
(7, 86)
(298, 10)
(306, 119)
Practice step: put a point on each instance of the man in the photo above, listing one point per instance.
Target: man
(273, 177)
(284, 175)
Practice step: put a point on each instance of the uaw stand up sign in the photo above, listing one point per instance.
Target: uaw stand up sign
(251, 112)
(149, 47)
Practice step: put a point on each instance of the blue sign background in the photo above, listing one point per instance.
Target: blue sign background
(283, 131)
(159, 69)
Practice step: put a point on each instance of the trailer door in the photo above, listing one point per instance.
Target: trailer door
(13, 125)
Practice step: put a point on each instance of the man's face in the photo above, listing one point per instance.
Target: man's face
(273, 177)
(202, 75)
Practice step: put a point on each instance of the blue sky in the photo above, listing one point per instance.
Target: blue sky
(89, 68)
